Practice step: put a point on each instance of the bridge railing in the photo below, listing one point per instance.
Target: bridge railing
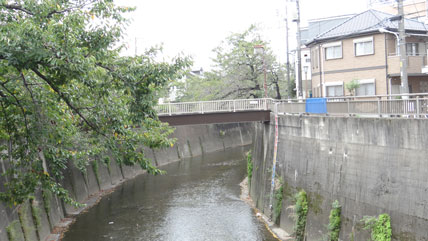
(380, 105)
(214, 106)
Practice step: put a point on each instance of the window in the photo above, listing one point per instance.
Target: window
(363, 46)
(334, 90)
(367, 87)
(333, 50)
(412, 49)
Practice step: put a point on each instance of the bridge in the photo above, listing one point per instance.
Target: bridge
(248, 110)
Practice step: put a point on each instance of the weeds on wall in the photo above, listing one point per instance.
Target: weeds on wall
(35, 213)
(95, 167)
(380, 227)
(249, 167)
(22, 214)
(278, 203)
(11, 231)
(301, 211)
(107, 162)
(334, 222)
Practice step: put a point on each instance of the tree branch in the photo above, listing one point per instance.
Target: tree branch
(18, 103)
(66, 100)
(16, 7)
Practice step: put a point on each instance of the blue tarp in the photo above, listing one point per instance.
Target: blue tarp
(316, 105)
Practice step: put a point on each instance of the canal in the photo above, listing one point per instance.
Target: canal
(198, 199)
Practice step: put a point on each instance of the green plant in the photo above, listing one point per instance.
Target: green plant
(279, 193)
(95, 167)
(11, 230)
(334, 224)
(380, 227)
(35, 213)
(47, 197)
(352, 86)
(107, 162)
(67, 95)
(249, 167)
(22, 214)
(301, 209)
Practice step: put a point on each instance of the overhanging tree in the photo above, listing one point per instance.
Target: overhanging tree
(67, 96)
(238, 72)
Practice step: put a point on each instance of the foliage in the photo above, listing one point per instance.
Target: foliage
(35, 213)
(68, 96)
(11, 230)
(380, 227)
(22, 215)
(334, 223)
(95, 167)
(238, 72)
(279, 193)
(249, 167)
(301, 209)
(352, 86)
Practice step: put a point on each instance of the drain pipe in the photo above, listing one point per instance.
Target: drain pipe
(275, 151)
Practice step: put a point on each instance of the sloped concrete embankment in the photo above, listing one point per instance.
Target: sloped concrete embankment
(370, 165)
(36, 219)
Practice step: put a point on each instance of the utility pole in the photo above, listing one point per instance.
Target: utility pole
(289, 90)
(299, 57)
(403, 52)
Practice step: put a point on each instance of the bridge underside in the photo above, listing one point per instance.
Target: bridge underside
(214, 118)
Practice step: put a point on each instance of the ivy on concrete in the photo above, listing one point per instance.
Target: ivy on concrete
(380, 227)
(301, 209)
(249, 167)
(11, 230)
(95, 167)
(334, 221)
(279, 194)
(22, 214)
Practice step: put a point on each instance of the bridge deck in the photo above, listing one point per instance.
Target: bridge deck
(217, 117)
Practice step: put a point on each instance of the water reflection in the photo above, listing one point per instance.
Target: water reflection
(197, 200)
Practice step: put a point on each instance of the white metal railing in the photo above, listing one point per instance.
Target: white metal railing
(415, 105)
(213, 106)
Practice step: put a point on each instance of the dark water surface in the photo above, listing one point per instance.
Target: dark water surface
(198, 199)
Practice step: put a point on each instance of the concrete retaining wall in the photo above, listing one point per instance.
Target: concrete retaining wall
(371, 166)
(191, 141)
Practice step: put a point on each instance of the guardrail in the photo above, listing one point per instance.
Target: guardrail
(415, 105)
(216, 106)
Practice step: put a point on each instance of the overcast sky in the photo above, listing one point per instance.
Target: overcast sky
(195, 27)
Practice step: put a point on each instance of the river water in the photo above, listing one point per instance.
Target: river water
(198, 199)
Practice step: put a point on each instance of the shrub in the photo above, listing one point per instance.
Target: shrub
(301, 209)
(249, 167)
(380, 227)
(278, 203)
(334, 224)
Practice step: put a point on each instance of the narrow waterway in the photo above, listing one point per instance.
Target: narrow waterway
(198, 199)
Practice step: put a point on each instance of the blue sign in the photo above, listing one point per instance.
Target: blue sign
(316, 105)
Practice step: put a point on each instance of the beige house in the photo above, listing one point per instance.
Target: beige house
(359, 50)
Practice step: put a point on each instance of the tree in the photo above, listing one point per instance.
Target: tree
(67, 96)
(239, 72)
(352, 87)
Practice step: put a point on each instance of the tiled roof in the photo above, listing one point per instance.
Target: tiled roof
(368, 21)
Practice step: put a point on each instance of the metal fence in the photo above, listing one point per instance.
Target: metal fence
(214, 106)
(411, 105)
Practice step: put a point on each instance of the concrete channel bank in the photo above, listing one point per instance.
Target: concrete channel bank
(191, 141)
(370, 165)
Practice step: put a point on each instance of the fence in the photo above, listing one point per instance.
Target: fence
(415, 105)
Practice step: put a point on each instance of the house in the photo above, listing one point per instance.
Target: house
(357, 49)
(314, 28)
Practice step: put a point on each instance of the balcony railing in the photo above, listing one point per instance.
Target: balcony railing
(411, 105)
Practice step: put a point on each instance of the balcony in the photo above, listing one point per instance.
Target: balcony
(415, 64)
